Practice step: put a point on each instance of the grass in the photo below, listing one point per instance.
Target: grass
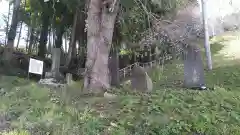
(168, 110)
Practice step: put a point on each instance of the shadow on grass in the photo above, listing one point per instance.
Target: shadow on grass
(18, 73)
(13, 81)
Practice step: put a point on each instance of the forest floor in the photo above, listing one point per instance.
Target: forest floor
(26, 107)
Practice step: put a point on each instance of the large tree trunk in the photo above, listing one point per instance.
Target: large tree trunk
(12, 32)
(100, 31)
(44, 31)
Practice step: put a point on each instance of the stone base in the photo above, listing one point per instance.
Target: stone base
(51, 82)
(140, 80)
(57, 76)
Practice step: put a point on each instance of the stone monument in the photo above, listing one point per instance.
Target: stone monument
(193, 68)
(54, 77)
(140, 80)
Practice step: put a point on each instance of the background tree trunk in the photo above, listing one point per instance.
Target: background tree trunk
(7, 28)
(60, 32)
(114, 56)
(49, 41)
(72, 39)
(27, 40)
(31, 41)
(114, 67)
(44, 31)
(66, 38)
(12, 32)
(74, 48)
(20, 32)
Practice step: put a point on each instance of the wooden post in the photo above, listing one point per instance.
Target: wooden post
(206, 34)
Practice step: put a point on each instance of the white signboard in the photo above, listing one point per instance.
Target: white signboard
(35, 66)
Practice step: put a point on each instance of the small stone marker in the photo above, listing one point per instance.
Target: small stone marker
(69, 78)
(54, 73)
(193, 68)
(140, 80)
(51, 82)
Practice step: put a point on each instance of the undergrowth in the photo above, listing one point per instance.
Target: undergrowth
(168, 110)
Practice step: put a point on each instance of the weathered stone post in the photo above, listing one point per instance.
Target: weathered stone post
(69, 78)
(55, 73)
(193, 68)
(56, 55)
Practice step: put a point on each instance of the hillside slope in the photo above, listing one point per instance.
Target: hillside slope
(168, 110)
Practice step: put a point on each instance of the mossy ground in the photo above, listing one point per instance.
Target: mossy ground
(168, 110)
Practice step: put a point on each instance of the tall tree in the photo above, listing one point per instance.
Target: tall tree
(31, 40)
(61, 22)
(9, 7)
(20, 33)
(72, 39)
(12, 32)
(100, 27)
(44, 31)
(21, 24)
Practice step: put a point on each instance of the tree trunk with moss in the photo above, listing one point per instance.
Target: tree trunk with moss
(100, 28)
